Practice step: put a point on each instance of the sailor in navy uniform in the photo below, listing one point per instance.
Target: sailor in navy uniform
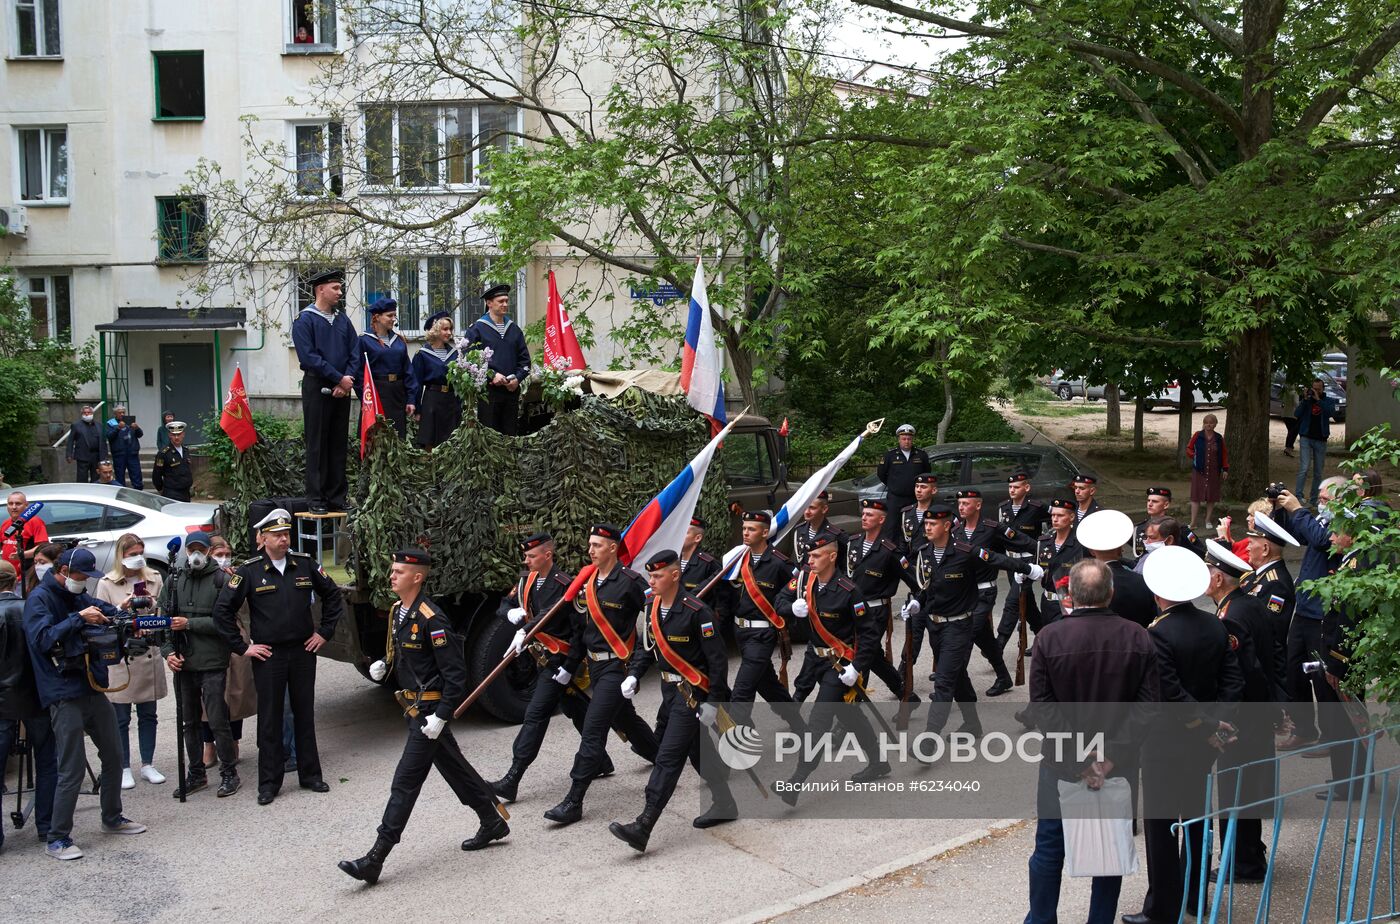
(510, 361)
(439, 408)
(389, 367)
(1028, 518)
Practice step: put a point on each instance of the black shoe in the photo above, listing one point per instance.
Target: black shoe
(566, 812)
(1238, 877)
(789, 796)
(319, 509)
(367, 868)
(872, 772)
(290, 766)
(193, 784)
(1141, 918)
(1024, 718)
(265, 796)
(490, 830)
(970, 728)
(318, 786)
(1000, 687)
(507, 786)
(913, 698)
(716, 814)
(932, 677)
(229, 784)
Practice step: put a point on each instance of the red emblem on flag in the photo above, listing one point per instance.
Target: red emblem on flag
(237, 417)
(370, 408)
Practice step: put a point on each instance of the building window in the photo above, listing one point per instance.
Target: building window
(423, 286)
(181, 229)
(51, 307)
(319, 159)
(311, 25)
(179, 78)
(36, 29)
(43, 164)
(435, 146)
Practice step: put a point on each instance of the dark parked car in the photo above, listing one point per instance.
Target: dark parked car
(1283, 400)
(985, 467)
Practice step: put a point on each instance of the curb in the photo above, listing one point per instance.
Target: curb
(831, 889)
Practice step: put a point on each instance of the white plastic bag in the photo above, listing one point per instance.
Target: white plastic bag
(1098, 829)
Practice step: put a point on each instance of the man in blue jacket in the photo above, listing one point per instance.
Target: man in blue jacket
(510, 361)
(328, 350)
(71, 687)
(1314, 415)
(124, 436)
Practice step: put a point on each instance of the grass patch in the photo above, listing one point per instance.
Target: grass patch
(1038, 402)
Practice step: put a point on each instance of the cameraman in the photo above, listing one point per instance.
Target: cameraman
(70, 685)
(1314, 415)
(19, 702)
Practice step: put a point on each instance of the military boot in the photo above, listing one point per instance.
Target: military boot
(507, 786)
(367, 868)
(493, 828)
(571, 809)
(638, 832)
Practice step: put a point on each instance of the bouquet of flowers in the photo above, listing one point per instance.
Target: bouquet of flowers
(470, 372)
(559, 386)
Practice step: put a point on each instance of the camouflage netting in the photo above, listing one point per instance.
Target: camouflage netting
(474, 497)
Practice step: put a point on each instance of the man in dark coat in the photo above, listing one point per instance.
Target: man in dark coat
(86, 446)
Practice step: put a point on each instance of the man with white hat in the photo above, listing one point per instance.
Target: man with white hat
(1104, 533)
(1197, 667)
(897, 472)
(1271, 583)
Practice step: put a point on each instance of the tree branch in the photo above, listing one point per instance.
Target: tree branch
(1144, 112)
(1232, 40)
(1362, 66)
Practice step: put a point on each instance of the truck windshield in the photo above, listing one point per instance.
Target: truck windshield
(747, 459)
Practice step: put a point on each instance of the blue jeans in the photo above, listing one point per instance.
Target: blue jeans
(1048, 862)
(146, 730)
(40, 735)
(1311, 452)
(127, 464)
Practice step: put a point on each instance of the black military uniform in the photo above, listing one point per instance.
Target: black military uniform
(842, 633)
(756, 631)
(279, 606)
(803, 535)
(947, 580)
(1028, 522)
(430, 668)
(1140, 529)
(1054, 559)
(897, 473)
(1131, 598)
(604, 618)
(1094, 505)
(684, 641)
(698, 570)
(988, 535)
(170, 472)
(878, 567)
(1272, 584)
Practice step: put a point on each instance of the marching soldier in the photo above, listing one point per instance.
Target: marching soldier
(1054, 553)
(605, 629)
(982, 533)
(699, 567)
(845, 636)
(680, 636)
(534, 595)
(279, 588)
(877, 566)
(1158, 500)
(814, 523)
(1028, 518)
(898, 471)
(945, 571)
(758, 626)
(430, 667)
(170, 473)
(1084, 487)
(911, 518)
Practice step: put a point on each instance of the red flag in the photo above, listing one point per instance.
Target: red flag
(559, 339)
(783, 430)
(370, 408)
(237, 417)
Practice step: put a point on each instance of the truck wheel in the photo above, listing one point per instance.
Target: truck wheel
(508, 696)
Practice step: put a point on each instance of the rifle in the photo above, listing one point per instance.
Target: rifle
(902, 720)
(1021, 642)
(723, 723)
(858, 693)
(889, 629)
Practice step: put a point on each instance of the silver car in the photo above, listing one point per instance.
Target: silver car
(97, 514)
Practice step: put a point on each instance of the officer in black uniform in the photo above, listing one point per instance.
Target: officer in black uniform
(1029, 519)
(844, 635)
(878, 566)
(698, 568)
(763, 571)
(680, 635)
(1056, 551)
(170, 472)
(911, 518)
(605, 632)
(534, 595)
(897, 472)
(279, 588)
(430, 667)
(1158, 500)
(1271, 582)
(972, 528)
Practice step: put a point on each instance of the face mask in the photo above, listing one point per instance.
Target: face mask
(41, 570)
(222, 561)
(87, 418)
(198, 559)
(74, 587)
(134, 562)
(1153, 545)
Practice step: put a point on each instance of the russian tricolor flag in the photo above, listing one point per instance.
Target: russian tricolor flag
(701, 364)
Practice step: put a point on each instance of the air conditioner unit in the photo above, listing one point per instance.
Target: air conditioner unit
(14, 220)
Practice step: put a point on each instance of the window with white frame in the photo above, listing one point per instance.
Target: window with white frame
(51, 306)
(423, 286)
(43, 164)
(318, 159)
(311, 25)
(435, 146)
(36, 29)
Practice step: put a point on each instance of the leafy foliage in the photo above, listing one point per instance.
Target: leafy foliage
(223, 457)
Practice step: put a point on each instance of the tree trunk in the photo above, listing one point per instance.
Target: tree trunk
(1247, 421)
(947, 410)
(1139, 409)
(741, 364)
(1184, 429)
(1113, 424)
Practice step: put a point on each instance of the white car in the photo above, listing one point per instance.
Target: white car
(97, 514)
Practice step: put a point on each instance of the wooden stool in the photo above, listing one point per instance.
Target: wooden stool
(316, 528)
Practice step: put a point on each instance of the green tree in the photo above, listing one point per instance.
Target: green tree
(31, 367)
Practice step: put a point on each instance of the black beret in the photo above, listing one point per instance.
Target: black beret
(325, 276)
(535, 541)
(1063, 504)
(1164, 492)
(413, 557)
(382, 305)
(698, 522)
(758, 516)
(824, 538)
(663, 559)
(970, 492)
(938, 512)
(1017, 476)
(606, 531)
(873, 504)
(926, 478)
(823, 496)
(491, 292)
(434, 318)
(1083, 479)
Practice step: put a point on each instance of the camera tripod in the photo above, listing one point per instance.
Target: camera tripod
(24, 751)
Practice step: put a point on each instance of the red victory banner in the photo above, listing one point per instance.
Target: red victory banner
(237, 417)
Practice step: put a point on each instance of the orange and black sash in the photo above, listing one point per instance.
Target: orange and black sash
(623, 649)
(756, 593)
(552, 644)
(683, 667)
(814, 616)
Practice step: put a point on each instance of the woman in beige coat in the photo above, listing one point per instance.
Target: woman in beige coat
(142, 675)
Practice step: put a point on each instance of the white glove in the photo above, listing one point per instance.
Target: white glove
(911, 608)
(433, 726)
(562, 677)
(517, 644)
(707, 714)
(516, 615)
(629, 687)
(378, 670)
(1019, 578)
(849, 674)
(799, 608)
(1037, 572)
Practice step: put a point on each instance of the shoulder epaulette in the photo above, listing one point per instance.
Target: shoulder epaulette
(299, 554)
(780, 556)
(1030, 503)
(628, 572)
(845, 583)
(889, 545)
(562, 578)
(692, 603)
(426, 609)
(961, 546)
(705, 556)
(907, 508)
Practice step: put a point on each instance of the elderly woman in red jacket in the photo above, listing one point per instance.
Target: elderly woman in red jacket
(1209, 467)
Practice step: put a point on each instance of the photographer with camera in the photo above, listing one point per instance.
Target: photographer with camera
(1314, 416)
(140, 681)
(124, 439)
(72, 638)
(19, 702)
